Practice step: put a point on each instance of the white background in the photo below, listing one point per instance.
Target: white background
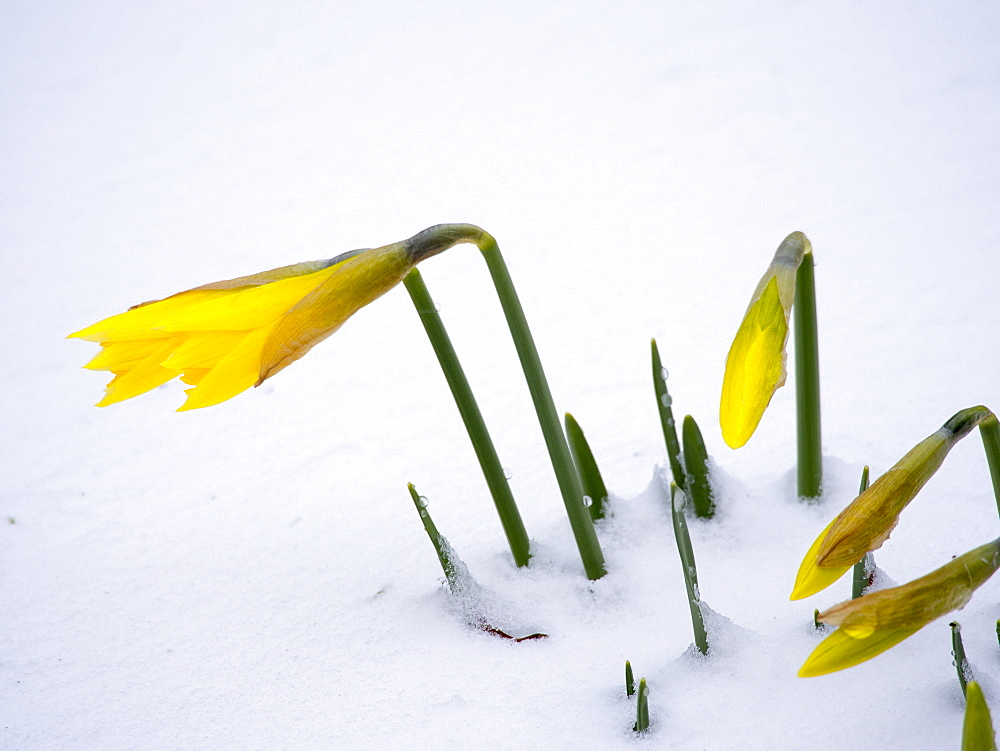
(253, 575)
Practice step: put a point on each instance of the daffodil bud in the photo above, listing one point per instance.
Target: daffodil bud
(870, 518)
(872, 624)
(224, 337)
(755, 366)
(977, 726)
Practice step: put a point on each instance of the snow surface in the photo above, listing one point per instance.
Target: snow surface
(254, 575)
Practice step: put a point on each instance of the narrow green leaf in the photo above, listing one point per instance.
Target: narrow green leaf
(629, 679)
(642, 708)
(664, 407)
(810, 448)
(590, 475)
(489, 462)
(961, 663)
(977, 727)
(441, 546)
(864, 570)
(688, 566)
(696, 463)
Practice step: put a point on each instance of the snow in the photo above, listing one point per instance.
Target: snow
(254, 575)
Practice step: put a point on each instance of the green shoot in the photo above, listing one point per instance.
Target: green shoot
(683, 539)
(810, 449)
(629, 679)
(864, 570)
(441, 546)
(492, 469)
(642, 708)
(663, 403)
(696, 464)
(961, 661)
(590, 475)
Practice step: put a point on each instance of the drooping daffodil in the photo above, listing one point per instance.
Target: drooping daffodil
(870, 518)
(872, 624)
(977, 726)
(755, 366)
(224, 337)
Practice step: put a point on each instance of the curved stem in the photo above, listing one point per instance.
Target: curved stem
(440, 237)
(989, 429)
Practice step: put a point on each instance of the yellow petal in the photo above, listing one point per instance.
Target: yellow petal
(235, 373)
(243, 310)
(142, 322)
(840, 650)
(194, 376)
(813, 578)
(143, 377)
(755, 367)
(122, 356)
(204, 349)
(354, 283)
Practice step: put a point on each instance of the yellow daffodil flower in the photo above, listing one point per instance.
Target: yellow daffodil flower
(224, 337)
(977, 727)
(870, 518)
(872, 624)
(755, 367)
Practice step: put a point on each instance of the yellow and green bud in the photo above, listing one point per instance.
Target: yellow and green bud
(755, 366)
(224, 337)
(870, 518)
(872, 624)
(977, 727)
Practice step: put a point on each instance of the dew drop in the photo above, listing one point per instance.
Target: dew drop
(422, 501)
(588, 501)
(507, 473)
(664, 374)
(666, 400)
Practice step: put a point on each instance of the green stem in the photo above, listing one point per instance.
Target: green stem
(438, 238)
(664, 407)
(989, 429)
(555, 440)
(629, 679)
(810, 449)
(493, 471)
